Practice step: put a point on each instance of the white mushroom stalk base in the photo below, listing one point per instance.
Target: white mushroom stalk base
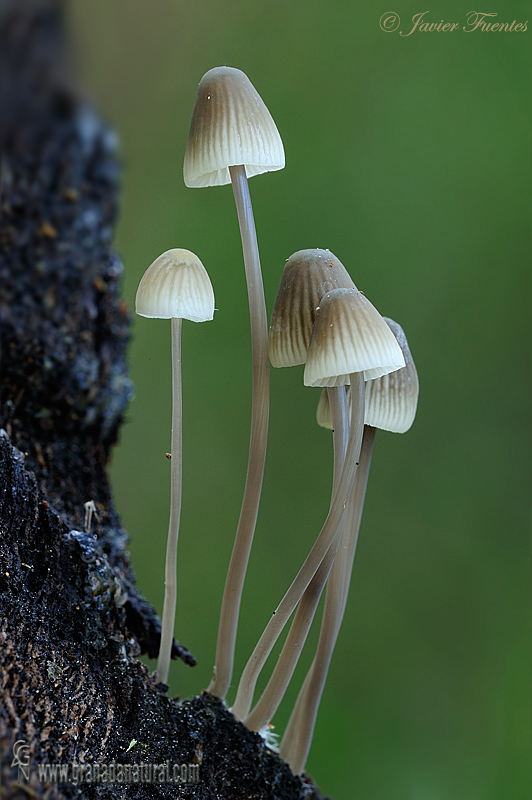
(311, 564)
(260, 404)
(297, 739)
(170, 572)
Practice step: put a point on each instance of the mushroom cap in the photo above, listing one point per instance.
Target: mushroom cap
(230, 126)
(176, 285)
(349, 335)
(391, 400)
(308, 275)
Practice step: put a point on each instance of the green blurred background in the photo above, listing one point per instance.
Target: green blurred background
(408, 157)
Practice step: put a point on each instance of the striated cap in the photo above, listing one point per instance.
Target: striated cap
(391, 401)
(349, 335)
(308, 276)
(176, 285)
(230, 126)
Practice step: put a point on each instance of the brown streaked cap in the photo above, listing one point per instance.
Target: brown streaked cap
(308, 275)
(391, 400)
(176, 285)
(349, 335)
(230, 126)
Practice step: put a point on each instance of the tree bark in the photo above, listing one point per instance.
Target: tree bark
(72, 620)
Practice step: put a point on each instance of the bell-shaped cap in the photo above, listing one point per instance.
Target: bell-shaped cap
(349, 335)
(176, 285)
(230, 126)
(391, 401)
(308, 276)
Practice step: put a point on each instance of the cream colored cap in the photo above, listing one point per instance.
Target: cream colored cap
(308, 275)
(230, 126)
(323, 411)
(391, 401)
(349, 335)
(176, 285)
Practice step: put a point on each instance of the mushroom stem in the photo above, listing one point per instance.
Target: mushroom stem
(223, 669)
(170, 570)
(270, 699)
(298, 735)
(327, 536)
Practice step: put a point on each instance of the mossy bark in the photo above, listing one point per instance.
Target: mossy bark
(72, 620)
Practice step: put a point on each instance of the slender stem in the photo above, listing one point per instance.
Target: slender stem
(225, 649)
(325, 539)
(269, 701)
(340, 418)
(298, 736)
(170, 572)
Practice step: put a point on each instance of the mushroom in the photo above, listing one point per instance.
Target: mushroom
(349, 339)
(176, 286)
(307, 276)
(359, 332)
(233, 137)
(391, 403)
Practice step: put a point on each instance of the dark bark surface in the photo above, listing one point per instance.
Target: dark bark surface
(72, 621)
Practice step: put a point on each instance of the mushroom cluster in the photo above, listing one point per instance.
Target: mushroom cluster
(359, 358)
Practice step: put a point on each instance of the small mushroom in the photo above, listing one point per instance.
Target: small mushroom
(176, 286)
(307, 276)
(359, 333)
(233, 137)
(391, 403)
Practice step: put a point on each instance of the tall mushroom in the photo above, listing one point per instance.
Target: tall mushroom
(176, 286)
(233, 137)
(391, 403)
